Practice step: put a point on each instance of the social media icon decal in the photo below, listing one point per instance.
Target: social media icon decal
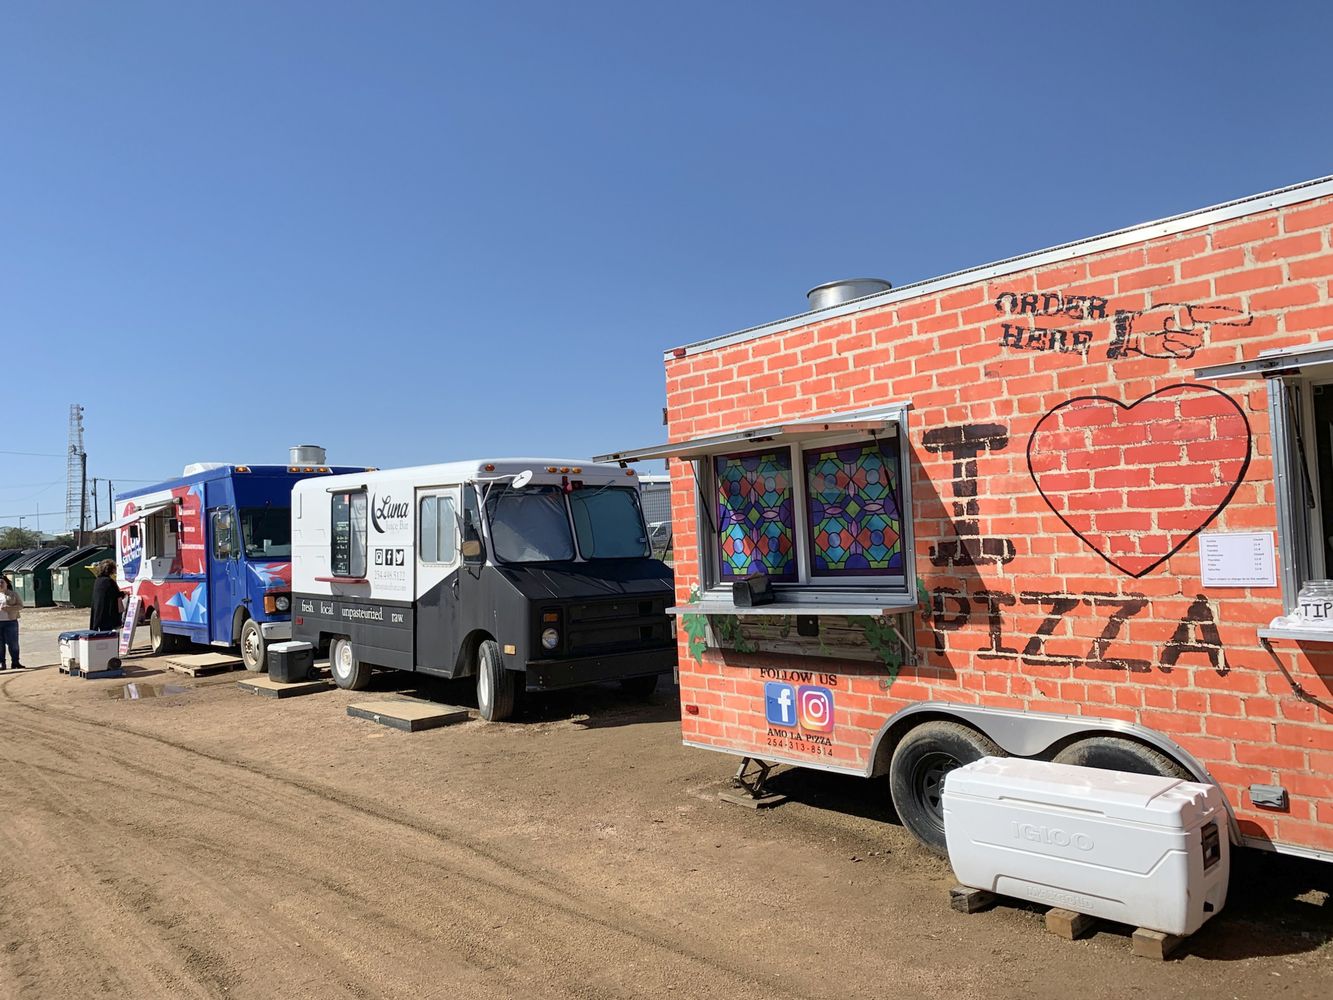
(780, 705)
(815, 708)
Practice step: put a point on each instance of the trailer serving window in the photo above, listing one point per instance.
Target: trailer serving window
(347, 553)
(1300, 409)
(820, 508)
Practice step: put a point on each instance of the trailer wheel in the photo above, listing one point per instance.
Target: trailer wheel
(1113, 753)
(639, 687)
(254, 650)
(497, 688)
(349, 673)
(920, 763)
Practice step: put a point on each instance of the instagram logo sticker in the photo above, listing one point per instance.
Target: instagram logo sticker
(814, 706)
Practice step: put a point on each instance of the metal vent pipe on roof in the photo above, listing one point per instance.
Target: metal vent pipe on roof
(834, 293)
(308, 454)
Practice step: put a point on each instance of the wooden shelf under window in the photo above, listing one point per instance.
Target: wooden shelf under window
(850, 607)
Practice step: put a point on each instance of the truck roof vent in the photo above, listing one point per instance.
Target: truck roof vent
(308, 454)
(835, 293)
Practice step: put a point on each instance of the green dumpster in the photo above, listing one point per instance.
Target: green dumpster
(72, 575)
(7, 556)
(31, 575)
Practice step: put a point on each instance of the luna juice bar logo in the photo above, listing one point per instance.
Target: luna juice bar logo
(386, 508)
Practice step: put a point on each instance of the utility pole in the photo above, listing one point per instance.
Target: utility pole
(83, 497)
(96, 520)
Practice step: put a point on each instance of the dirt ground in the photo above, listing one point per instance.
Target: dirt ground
(201, 842)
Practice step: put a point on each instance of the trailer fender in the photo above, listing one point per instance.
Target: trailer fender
(1032, 734)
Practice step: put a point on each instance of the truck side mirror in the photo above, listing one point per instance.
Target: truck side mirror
(471, 550)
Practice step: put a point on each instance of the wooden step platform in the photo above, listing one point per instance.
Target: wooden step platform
(202, 664)
(409, 716)
(265, 687)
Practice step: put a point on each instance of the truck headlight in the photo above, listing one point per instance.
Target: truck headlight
(550, 639)
(283, 603)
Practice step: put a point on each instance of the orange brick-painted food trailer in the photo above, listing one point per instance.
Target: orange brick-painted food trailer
(1067, 506)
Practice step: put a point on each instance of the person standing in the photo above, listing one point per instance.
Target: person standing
(108, 610)
(10, 606)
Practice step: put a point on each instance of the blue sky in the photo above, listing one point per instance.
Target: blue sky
(414, 232)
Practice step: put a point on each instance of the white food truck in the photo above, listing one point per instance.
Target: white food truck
(529, 574)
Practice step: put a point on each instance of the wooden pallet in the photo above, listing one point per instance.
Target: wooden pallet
(1070, 924)
(203, 664)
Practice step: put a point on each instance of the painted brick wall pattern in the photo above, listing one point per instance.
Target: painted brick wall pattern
(1086, 600)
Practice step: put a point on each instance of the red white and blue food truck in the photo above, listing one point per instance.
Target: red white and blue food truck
(209, 554)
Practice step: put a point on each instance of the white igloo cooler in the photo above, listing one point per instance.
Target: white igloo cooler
(1137, 849)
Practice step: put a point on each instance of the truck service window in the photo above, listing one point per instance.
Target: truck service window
(267, 532)
(608, 523)
(347, 556)
(530, 525)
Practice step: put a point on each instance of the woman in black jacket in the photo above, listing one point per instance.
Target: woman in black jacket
(107, 610)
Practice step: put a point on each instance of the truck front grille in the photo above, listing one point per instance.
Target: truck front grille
(616, 626)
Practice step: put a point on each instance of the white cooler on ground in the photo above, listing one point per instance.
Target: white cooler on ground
(1137, 849)
(89, 652)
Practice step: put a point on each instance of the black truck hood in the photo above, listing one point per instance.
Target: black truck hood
(604, 578)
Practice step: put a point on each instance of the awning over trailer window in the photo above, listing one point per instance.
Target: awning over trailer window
(881, 420)
(137, 515)
(1273, 364)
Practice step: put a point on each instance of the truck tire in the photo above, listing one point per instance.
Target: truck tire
(160, 642)
(916, 775)
(254, 650)
(349, 673)
(639, 687)
(497, 688)
(1114, 753)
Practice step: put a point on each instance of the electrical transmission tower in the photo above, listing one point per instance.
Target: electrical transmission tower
(76, 470)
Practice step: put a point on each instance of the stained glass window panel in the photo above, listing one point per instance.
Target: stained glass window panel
(756, 516)
(855, 517)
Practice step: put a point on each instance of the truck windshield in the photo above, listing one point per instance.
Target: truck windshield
(267, 532)
(529, 525)
(608, 523)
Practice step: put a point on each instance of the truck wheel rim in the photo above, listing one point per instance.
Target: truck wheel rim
(483, 688)
(250, 646)
(342, 663)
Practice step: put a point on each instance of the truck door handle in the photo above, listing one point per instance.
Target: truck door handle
(455, 586)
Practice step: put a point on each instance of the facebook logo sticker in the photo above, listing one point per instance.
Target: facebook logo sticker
(780, 705)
